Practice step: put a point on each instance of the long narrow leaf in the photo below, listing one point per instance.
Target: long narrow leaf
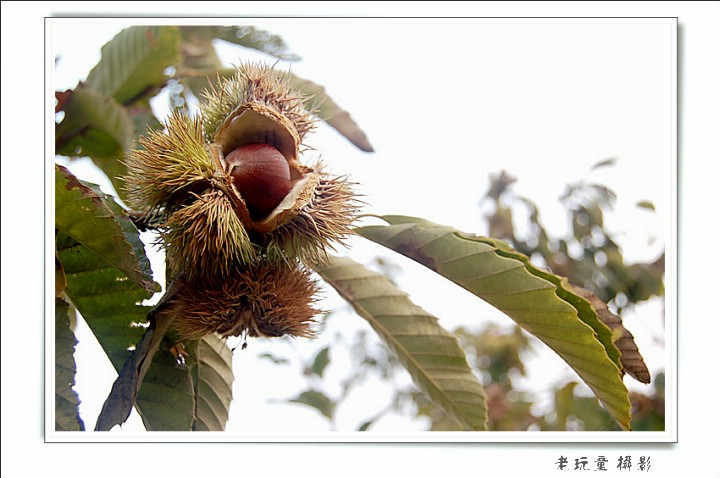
(105, 297)
(67, 416)
(107, 276)
(630, 358)
(566, 291)
(166, 399)
(108, 301)
(212, 374)
(333, 115)
(134, 61)
(541, 304)
(431, 355)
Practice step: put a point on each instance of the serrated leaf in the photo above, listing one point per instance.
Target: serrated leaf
(210, 364)
(105, 296)
(134, 62)
(94, 125)
(109, 302)
(630, 358)
(431, 355)
(322, 359)
(97, 222)
(333, 115)
(538, 301)
(566, 291)
(67, 416)
(316, 400)
(97, 127)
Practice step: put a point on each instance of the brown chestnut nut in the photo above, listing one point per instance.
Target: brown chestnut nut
(261, 174)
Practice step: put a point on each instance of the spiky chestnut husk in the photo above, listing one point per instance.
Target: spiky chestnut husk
(169, 165)
(323, 221)
(259, 104)
(260, 89)
(263, 300)
(208, 227)
(206, 238)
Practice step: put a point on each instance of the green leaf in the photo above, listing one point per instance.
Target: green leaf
(97, 127)
(94, 125)
(97, 222)
(566, 291)
(60, 281)
(321, 361)
(105, 296)
(333, 115)
(246, 36)
(316, 400)
(67, 416)
(97, 247)
(568, 406)
(134, 62)
(431, 355)
(166, 399)
(211, 368)
(538, 301)
(108, 301)
(143, 118)
(201, 66)
(564, 397)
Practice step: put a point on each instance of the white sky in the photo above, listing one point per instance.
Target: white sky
(444, 104)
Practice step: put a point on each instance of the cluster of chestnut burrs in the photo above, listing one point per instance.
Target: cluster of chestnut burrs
(242, 220)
